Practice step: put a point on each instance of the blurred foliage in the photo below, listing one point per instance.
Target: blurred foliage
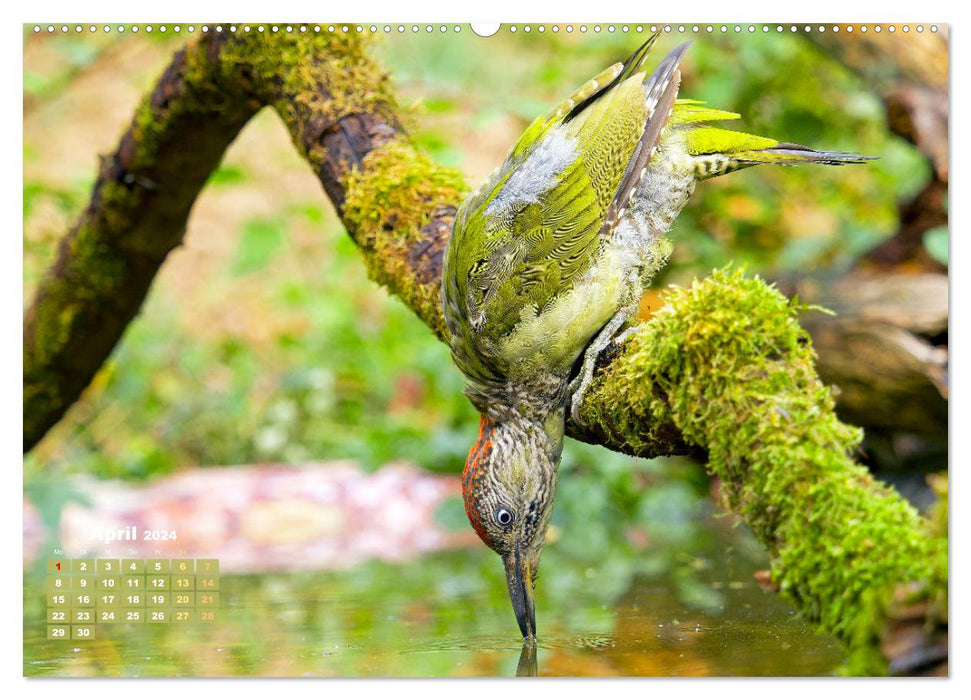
(291, 354)
(936, 243)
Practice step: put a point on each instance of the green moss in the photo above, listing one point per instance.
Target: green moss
(52, 327)
(387, 203)
(392, 196)
(92, 273)
(726, 362)
(325, 74)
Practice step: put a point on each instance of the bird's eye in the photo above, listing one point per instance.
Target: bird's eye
(503, 516)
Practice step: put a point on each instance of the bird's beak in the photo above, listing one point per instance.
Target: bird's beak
(520, 581)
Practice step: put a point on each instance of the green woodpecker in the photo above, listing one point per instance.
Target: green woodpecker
(547, 262)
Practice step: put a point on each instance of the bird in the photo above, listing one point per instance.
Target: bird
(545, 266)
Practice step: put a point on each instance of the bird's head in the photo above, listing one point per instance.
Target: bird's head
(508, 486)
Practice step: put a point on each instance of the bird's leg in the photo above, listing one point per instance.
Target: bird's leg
(621, 337)
(578, 387)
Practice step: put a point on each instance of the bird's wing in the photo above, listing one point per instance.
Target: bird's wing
(660, 88)
(581, 98)
(536, 225)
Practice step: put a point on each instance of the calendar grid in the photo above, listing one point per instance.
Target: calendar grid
(83, 594)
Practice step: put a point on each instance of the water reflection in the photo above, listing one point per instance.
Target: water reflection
(448, 614)
(527, 666)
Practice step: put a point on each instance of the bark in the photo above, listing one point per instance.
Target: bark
(722, 369)
(885, 347)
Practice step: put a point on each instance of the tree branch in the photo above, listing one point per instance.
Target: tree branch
(728, 364)
(136, 216)
(722, 369)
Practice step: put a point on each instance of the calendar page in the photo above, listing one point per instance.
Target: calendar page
(443, 349)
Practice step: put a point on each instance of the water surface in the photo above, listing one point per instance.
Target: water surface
(688, 609)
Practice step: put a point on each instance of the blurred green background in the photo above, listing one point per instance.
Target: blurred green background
(262, 339)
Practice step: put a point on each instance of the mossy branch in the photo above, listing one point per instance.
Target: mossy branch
(728, 364)
(136, 216)
(723, 368)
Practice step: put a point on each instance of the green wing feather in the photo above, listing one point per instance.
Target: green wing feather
(582, 97)
(500, 263)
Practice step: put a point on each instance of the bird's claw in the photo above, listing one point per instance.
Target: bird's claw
(578, 387)
(575, 409)
(622, 337)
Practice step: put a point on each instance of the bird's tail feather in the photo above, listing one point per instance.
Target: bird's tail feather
(794, 154)
(713, 164)
(718, 151)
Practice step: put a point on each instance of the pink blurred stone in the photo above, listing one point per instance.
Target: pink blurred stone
(264, 517)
